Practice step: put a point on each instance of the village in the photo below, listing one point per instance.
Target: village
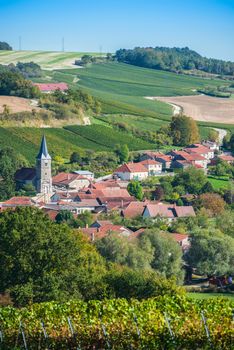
(80, 192)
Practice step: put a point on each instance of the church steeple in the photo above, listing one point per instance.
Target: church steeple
(43, 169)
(43, 153)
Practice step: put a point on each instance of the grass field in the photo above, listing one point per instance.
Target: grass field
(201, 296)
(122, 89)
(46, 59)
(219, 182)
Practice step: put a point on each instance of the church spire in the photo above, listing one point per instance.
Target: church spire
(43, 153)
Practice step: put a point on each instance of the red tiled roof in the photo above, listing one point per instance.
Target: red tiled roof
(160, 209)
(131, 168)
(98, 233)
(182, 211)
(179, 237)
(150, 162)
(159, 155)
(67, 178)
(226, 157)
(134, 209)
(169, 211)
(197, 148)
(51, 86)
(18, 201)
(188, 156)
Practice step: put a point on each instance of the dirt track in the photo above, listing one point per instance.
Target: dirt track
(204, 108)
(16, 104)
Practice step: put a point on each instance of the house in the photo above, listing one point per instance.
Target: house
(182, 240)
(65, 196)
(132, 171)
(153, 167)
(204, 151)
(94, 233)
(194, 159)
(162, 158)
(167, 211)
(88, 174)
(134, 209)
(69, 181)
(50, 87)
(92, 205)
(227, 158)
(21, 201)
(214, 146)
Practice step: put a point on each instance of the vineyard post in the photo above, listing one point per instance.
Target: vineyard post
(137, 328)
(73, 333)
(167, 320)
(104, 333)
(21, 330)
(1, 336)
(206, 328)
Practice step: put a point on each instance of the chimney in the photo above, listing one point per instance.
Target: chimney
(92, 237)
(86, 226)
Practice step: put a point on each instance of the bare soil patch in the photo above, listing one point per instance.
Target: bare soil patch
(17, 104)
(204, 108)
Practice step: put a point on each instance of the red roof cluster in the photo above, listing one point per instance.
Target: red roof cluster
(51, 87)
(131, 168)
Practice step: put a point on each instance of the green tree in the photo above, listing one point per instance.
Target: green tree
(84, 219)
(167, 253)
(75, 157)
(211, 253)
(64, 216)
(41, 261)
(10, 161)
(135, 189)
(141, 284)
(192, 179)
(122, 151)
(125, 252)
(184, 130)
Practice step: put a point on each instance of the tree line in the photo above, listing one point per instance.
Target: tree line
(173, 59)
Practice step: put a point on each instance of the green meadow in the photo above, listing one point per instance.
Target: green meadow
(122, 89)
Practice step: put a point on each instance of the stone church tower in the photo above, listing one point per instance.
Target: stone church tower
(43, 169)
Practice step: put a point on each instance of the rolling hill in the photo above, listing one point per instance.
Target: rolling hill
(46, 59)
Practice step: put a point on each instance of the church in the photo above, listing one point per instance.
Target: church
(40, 176)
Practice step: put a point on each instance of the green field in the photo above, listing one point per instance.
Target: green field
(219, 182)
(65, 141)
(122, 88)
(46, 59)
(202, 296)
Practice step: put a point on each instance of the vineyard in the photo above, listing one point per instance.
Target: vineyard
(161, 323)
(64, 141)
(108, 137)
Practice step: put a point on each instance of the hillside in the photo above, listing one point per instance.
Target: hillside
(122, 88)
(46, 59)
(65, 141)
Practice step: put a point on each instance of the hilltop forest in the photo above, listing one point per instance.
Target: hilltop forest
(174, 60)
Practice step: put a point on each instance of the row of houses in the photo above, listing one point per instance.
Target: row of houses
(155, 163)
